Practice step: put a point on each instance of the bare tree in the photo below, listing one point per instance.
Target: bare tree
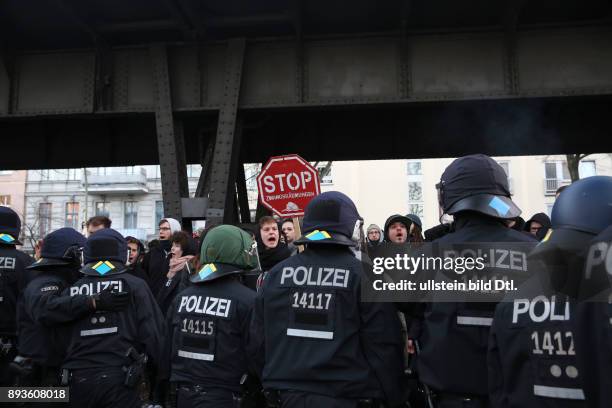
(31, 226)
(573, 163)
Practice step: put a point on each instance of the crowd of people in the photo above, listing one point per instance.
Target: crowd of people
(273, 316)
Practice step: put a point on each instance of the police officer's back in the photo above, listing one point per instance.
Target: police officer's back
(452, 362)
(106, 350)
(209, 323)
(41, 349)
(592, 321)
(322, 345)
(535, 348)
(13, 280)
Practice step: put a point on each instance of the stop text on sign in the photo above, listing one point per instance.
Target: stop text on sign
(291, 181)
(286, 185)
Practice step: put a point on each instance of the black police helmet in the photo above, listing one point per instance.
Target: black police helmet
(60, 247)
(585, 205)
(476, 183)
(581, 212)
(105, 253)
(331, 218)
(10, 226)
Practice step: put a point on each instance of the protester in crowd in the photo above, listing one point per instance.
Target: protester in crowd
(288, 233)
(156, 261)
(538, 225)
(181, 265)
(397, 228)
(415, 233)
(97, 223)
(269, 246)
(135, 257)
(288, 230)
(373, 236)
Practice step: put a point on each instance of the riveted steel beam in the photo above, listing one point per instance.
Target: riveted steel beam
(222, 193)
(170, 141)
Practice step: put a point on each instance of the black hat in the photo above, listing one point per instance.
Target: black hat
(476, 183)
(10, 226)
(105, 253)
(415, 220)
(61, 247)
(331, 218)
(396, 218)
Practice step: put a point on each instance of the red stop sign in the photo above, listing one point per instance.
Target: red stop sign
(286, 185)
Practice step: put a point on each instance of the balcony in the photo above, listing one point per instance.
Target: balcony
(117, 182)
(551, 185)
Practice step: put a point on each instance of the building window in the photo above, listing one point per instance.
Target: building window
(556, 174)
(130, 214)
(325, 174)
(586, 168)
(549, 208)
(44, 219)
(73, 174)
(5, 200)
(102, 209)
(414, 168)
(100, 171)
(159, 214)
(45, 174)
(72, 215)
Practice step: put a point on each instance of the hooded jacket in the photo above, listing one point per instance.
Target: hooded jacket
(157, 261)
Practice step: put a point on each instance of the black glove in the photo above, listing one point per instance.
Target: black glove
(111, 301)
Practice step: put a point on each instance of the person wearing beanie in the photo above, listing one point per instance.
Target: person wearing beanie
(415, 234)
(13, 280)
(106, 351)
(373, 236)
(156, 262)
(208, 323)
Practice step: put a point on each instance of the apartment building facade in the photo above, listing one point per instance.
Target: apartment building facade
(130, 196)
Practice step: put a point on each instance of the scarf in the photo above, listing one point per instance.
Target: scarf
(176, 264)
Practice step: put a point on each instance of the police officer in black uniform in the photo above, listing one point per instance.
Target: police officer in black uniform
(322, 346)
(13, 280)
(534, 353)
(209, 322)
(41, 309)
(107, 351)
(592, 321)
(453, 335)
